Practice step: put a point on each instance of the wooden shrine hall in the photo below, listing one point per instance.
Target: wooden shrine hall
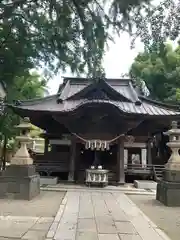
(99, 124)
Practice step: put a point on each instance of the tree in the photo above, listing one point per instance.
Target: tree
(24, 88)
(158, 66)
(59, 33)
(160, 70)
(158, 24)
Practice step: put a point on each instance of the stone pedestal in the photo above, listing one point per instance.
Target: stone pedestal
(143, 184)
(168, 193)
(48, 180)
(168, 189)
(20, 180)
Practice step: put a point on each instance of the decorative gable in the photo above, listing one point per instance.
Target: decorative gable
(97, 94)
(99, 90)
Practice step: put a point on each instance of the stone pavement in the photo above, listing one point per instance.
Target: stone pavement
(26, 228)
(166, 218)
(28, 220)
(101, 215)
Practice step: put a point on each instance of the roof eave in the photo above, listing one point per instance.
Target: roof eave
(24, 109)
(170, 106)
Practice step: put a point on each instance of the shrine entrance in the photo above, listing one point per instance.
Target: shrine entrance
(86, 158)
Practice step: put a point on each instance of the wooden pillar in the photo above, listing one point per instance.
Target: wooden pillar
(143, 157)
(126, 158)
(72, 160)
(46, 145)
(149, 155)
(120, 162)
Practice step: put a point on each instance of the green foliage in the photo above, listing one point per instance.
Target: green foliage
(10, 144)
(158, 24)
(159, 65)
(23, 88)
(26, 87)
(59, 33)
(35, 132)
(160, 71)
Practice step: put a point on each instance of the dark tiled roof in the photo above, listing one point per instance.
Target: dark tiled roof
(145, 108)
(73, 86)
(122, 86)
(125, 88)
(71, 89)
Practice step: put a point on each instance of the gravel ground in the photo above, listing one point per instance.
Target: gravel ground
(44, 205)
(166, 218)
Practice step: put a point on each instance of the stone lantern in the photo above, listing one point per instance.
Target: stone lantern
(22, 156)
(173, 163)
(168, 189)
(20, 180)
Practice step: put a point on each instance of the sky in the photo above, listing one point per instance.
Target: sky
(117, 60)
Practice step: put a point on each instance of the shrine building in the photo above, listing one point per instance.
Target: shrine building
(104, 123)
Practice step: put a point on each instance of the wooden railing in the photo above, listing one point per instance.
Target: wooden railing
(52, 164)
(48, 164)
(154, 171)
(138, 169)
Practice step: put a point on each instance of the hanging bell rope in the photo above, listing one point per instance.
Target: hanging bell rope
(97, 144)
(86, 140)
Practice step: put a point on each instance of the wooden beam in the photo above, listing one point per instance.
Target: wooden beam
(149, 155)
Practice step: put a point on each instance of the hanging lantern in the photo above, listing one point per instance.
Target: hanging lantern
(103, 146)
(98, 145)
(87, 145)
(107, 146)
(95, 144)
(92, 145)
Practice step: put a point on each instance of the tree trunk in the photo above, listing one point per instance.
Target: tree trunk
(4, 153)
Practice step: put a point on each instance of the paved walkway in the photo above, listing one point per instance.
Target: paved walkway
(101, 216)
(29, 220)
(26, 228)
(166, 218)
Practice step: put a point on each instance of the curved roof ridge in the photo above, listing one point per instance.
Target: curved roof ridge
(145, 109)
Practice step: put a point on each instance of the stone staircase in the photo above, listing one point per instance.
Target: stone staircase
(158, 172)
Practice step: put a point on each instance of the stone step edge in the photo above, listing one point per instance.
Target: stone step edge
(99, 190)
(95, 188)
(54, 226)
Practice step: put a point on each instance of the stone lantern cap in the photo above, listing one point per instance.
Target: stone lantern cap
(25, 124)
(174, 131)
